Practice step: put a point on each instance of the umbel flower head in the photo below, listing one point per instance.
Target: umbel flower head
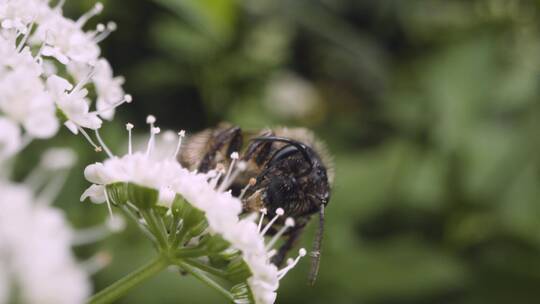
(36, 262)
(48, 66)
(191, 220)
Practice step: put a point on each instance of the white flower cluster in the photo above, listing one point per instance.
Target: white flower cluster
(222, 211)
(35, 252)
(47, 65)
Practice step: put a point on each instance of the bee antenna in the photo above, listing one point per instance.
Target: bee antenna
(301, 147)
(316, 253)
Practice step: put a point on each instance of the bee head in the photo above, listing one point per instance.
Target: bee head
(293, 174)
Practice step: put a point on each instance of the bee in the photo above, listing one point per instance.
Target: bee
(286, 168)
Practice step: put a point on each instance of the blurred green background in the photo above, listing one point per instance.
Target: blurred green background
(430, 108)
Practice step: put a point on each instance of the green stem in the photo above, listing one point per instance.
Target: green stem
(205, 279)
(209, 269)
(120, 287)
(153, 226)
(133, 216)
(191, 252)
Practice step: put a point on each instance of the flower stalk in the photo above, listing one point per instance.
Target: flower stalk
(122, 286)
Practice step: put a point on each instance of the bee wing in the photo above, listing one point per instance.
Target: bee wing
(204, 150)
(194, 149)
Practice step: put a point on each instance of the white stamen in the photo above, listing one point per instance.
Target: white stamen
(59, 4)
(129, 127)
(150, 119)
(25, 37)
(289, 222)
(233, 172)
(181, 135)
(126, 99)
(291, 263)
(97, 262)
(99, 232)
(85, 80)
(91, 13)
(214, 181)
(52, 189)
(102, 143)
(234, 157)
(108, 205)
(251, 183)
(85, 135)
(279, 212)
(263, 213)
(111, 27)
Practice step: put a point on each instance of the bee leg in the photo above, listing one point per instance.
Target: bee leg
(292, 237)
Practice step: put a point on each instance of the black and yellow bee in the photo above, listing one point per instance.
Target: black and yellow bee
(288, 169)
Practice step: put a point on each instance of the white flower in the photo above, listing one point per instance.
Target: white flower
(74, 104)
(17, 14)
(96, 194)
(65, 40)
(109, 89)
(40, 263)
(10, 138)
(25, 101)
(39, 46)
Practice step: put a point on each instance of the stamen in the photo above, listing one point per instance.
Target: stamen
(289, 222)
(272, 253)
(83, 82)
(181, 135)
(99, 232)
(263, 213)
(52, 189)
(59, 4)
(234, 157)
(38, 58)
(150, 119)
(233, 172)
(102, 143)
(108, 205)
(83, 132)
(97, 262)
(279, 212)
(291, 263)
(251, 183)
(91, 13)
(220, 170)
(111, 27)
(126, 99)
(129, 127)
(25, 37)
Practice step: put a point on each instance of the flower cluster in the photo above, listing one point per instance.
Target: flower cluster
(48, 65)
(52, 276)
(188, 215)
